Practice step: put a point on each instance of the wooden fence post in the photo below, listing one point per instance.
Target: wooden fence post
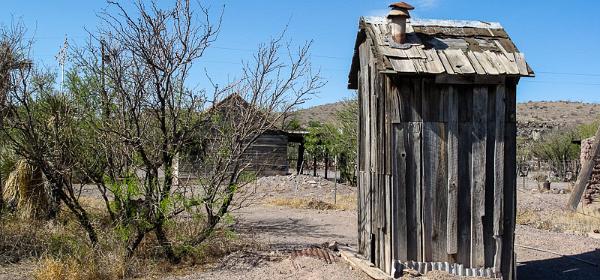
(585, 174)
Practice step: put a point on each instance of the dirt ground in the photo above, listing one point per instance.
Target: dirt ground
(551, 244)
(573, 254)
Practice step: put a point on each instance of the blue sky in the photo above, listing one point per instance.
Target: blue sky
(560, 40)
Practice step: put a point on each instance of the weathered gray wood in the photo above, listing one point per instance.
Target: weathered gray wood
(584, 175)
(488, 219)
(434, 102)
(403, 65)
(499, 161)
(388, 244)
(393, 100)
(430, 163)
(413, 192)
(459, 61)
(445, 62)
(478, 68)
(521, 64)
(508, 267)
(487, 65)
(510, 182)
(480, 106)
(363, 265)
(434, 191)
(469, 79)
(400, 228)
(464, 191)
(452, 187)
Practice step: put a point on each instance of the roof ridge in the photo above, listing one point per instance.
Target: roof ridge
(439, 22)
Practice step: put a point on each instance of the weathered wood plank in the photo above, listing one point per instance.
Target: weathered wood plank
(413, 192)
(494, 60)
(459, 61)
(476, 65)
(430, 164)
(521, 64)
(400, 227)
(508, 267)
(469, 79)
(388, 243)
(445, 62)
(409, 99)
(488, 219)
(434, 191)
(433, 63)
(584, 176)
(480, 106)
(452, 187)
(359, 263)
(485, 62)
(403, 65)
(434, 102)
(464, 189)
(499, 161)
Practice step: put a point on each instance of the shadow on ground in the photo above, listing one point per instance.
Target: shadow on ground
(562, 267)
(288, 226)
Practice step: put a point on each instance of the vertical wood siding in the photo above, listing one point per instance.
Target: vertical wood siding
(436, 171)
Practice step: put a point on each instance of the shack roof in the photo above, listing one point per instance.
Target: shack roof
(451, 47)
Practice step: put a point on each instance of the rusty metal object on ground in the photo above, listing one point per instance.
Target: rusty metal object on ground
(324, 254)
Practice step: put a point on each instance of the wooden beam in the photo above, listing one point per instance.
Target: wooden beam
(585, 174)
(452, 207)
(367, 267)
(499, 160)
(469, 79)
(480, 107)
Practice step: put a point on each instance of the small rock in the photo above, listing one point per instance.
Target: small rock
(411, 272)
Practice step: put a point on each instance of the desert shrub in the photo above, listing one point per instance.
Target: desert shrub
(62, 252)
(556, 148)
(26, 192)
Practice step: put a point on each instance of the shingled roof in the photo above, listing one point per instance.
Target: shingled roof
(440, 47)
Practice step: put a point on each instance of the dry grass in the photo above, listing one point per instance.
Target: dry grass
(558, 221)
(61, 249)
(25, 190)
(344, 203)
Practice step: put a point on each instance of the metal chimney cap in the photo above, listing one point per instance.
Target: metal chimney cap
(398, 13)
(402, 5)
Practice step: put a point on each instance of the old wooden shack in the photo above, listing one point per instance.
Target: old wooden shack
(268, 154)
(437, 133)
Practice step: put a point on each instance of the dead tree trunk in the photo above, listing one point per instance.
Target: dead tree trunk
(585, 174)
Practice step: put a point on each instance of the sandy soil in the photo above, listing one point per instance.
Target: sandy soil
(283, 230)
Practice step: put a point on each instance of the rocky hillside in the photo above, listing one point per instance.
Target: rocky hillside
(326, 113)
(536, 118)
(533, 117)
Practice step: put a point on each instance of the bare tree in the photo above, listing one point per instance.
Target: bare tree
(146, 115)
(44, 128)
(145, 60)
(274, 83)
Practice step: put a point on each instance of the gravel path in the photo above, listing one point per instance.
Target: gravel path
(284, 230)
(534, 264)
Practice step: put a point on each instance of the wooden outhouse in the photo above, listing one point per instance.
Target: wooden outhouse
(437, 151)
